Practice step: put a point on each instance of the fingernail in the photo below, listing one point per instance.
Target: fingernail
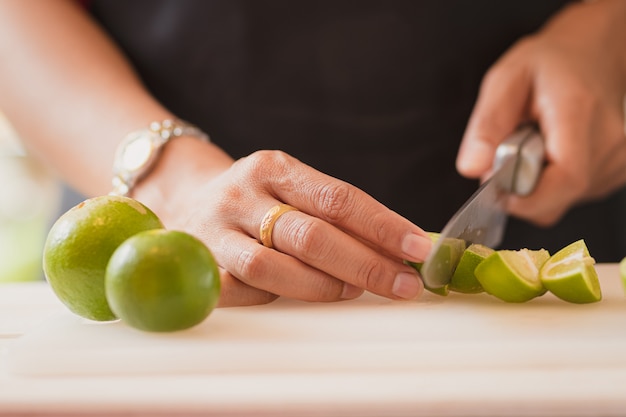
(407, 285)
(416, 247)
(350, 291)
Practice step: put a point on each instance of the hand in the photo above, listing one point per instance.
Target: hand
(571, 79)
(339, 243)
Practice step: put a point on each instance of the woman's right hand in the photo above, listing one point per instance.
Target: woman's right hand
(340, 241)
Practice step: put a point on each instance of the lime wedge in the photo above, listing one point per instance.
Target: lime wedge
(464, 280)
(448, 256)
(443, 291)
(434, 236)
(570, 274)
(439, 291)
(512, 276)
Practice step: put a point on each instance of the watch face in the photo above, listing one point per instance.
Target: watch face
(138, 152)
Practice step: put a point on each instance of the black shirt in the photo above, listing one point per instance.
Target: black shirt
(377, 93)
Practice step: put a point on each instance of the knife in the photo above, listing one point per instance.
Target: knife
(482, 219)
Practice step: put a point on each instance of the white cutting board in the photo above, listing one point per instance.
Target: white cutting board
(367, 334)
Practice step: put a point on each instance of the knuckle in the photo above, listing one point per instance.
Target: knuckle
(326, 290)
(227, 201)
(371, 274)
(251, 263)
(336, 201)
(262, 166)
(384, 230)
(308, 239)
(266, 162)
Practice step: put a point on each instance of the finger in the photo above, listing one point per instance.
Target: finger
(353, 211)
(548, 202)
(344, 206)
(278, 273)
(569, 148)
(236, 293)
(326, 248)
(499, 109)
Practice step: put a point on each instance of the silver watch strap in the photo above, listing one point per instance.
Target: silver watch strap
(139, 150)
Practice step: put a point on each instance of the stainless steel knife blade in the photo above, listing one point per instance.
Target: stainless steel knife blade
(482, 218)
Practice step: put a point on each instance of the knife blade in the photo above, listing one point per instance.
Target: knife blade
(482, 218)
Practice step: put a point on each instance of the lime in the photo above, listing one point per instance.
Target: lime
(434, 236)
(512, 276)
(79, 245)
(439, 291)
(570, 274)
(162, 280)
(447, 257)
(464, 280)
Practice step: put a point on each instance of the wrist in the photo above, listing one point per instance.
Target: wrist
(183, 167)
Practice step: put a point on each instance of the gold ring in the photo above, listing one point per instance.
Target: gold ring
(267, 224)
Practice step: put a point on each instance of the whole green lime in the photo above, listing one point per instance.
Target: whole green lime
(79, 245)
(162, 281)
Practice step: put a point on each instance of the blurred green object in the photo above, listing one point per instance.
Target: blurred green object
(29, 198)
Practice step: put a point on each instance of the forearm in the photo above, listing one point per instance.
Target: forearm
(68, 91)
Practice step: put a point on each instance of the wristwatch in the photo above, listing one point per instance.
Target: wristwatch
(139, 150)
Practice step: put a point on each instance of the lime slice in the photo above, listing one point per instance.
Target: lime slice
(464, 280)
(512, 276)
(448, 257)
(570, 274)
(434, 236)
(439, 291)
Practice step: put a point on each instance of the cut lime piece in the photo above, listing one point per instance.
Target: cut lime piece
(445, 261)
(512, 276)
(464, 280)
(434, 236)
(570, 274)
(448, 257)
(443, 291)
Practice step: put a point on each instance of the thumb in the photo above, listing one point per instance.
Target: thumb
(499, 109)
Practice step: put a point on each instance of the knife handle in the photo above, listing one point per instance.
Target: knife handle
(527, 147)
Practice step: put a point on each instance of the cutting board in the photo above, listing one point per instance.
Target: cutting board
(367, 334)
